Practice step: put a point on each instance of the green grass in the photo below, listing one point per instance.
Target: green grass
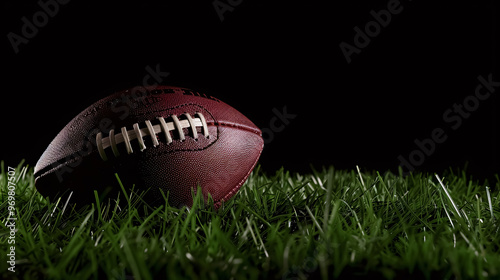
(323, 225)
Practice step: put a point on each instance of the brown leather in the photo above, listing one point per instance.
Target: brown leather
(219, 164)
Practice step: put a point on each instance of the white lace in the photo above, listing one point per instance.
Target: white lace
(150, 130)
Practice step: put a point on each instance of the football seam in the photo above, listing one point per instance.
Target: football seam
(172, 108)
(77, 156)
(243, 127)
(239, 126)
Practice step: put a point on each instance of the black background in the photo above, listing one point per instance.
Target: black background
(266, 56)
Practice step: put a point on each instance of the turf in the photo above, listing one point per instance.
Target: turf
(322, 225)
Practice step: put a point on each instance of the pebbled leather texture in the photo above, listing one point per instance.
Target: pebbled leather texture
(219, 163)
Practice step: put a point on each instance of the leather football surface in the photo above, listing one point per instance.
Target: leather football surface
(161, 138)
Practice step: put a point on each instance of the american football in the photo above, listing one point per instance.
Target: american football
(162, 139)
